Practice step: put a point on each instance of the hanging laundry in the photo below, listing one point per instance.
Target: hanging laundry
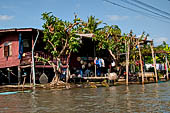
(113, 63)
(103, 63)
(157, 66)
(96, 61)
(20, 47)
(136, 46)
(160, 67)
(100, 62)
(163, 67)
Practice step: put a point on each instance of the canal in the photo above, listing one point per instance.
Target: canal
(133, 98)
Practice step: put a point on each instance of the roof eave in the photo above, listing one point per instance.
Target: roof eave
(17, 30)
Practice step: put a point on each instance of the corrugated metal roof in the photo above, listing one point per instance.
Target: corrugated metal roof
(17, 29)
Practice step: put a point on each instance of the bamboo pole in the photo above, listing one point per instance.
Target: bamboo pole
(154, 62)
(141, 62)
(167, 68)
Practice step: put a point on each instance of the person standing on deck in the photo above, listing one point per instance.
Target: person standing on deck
(101, 65)
(97, 63)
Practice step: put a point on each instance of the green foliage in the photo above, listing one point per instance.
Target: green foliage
(60, 35)
(110, 38)
(161, 56)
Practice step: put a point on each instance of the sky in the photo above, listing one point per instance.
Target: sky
(27, 14)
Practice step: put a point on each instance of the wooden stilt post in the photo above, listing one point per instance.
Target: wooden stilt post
(154, 62)
(31, 77)
(23, 83)
(9, 75)
(134, 67)
(127, 62)
(95, 67)
(19, 75)
(67, 74)
(167, 68)
(95, 70)
(95, 60)
(141, 62)
(168, 63)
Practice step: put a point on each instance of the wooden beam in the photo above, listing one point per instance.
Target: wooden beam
(25, 66)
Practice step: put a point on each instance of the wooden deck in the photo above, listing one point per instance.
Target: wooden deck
(95, 78)
(89, 79)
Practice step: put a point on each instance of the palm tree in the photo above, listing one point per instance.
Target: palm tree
(92, 24)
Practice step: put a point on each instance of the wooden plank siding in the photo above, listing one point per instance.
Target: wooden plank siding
(12, 59)
(11, 37)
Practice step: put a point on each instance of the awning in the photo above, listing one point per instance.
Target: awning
(86, 35)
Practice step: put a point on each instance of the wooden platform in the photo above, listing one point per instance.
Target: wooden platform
(94, 78)
(88, 79)
(147, 74)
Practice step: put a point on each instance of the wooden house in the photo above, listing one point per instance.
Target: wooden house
(15, 53)
(16, 56)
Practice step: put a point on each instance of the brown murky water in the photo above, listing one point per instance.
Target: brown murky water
(134, 98)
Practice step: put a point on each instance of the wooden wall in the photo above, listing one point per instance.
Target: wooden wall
(12, 60)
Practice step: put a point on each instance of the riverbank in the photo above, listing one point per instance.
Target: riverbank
(64, 86)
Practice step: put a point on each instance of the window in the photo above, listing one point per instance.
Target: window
(7, 49)
(26, 43)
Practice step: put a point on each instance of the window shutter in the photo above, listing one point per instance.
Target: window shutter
(10, 50)
(6, 51)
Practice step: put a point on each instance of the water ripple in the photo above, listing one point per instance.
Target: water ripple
(133, 98)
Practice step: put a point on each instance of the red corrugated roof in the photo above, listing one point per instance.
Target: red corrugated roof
(17, 29)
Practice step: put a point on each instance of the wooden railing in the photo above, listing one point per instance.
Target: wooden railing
(43, 55)
(27, 57)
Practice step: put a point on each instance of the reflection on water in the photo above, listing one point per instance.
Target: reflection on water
(133, 98)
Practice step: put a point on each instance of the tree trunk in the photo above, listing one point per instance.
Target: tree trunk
(56, 77)
(68, 74)
(114, 57)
